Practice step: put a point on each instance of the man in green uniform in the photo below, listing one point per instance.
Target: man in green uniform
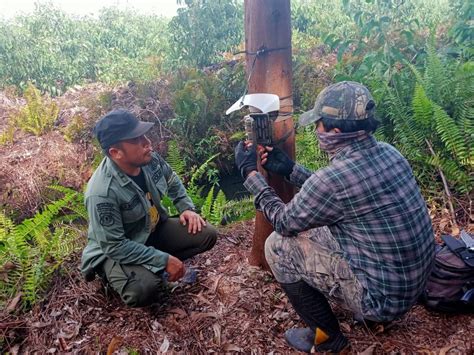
(132, 243)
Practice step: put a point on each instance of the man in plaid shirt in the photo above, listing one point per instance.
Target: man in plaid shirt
(370, 247)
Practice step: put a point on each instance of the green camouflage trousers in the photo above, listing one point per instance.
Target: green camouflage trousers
(317, 260)
(138, 286)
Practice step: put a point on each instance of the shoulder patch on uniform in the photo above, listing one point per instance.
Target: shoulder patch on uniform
(157, 176)
(155, 162)
(105, 211)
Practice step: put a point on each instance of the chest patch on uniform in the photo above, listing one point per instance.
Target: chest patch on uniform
(105, 211)
(130, 205)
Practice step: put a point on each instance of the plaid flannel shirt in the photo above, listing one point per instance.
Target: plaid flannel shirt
(370, 201)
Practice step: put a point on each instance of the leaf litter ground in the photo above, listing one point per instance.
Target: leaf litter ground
(233, 308)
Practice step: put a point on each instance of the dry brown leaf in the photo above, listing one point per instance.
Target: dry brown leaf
(114, 344)
(216, 283)
(345, 327)
(180, 312)
(40, 324)
(14, 303)
(195, 316)
(369, 351)
(4, 276)
(165, 345)
(63, 345)
(70, 331)
(444, 350)
(379, 329)
(15, 350)
(217, 333)
(8, 266)
(201, 298)
(231, 347)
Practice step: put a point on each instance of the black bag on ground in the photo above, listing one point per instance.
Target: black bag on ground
(450, 286)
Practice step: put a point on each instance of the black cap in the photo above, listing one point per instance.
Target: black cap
(117, 126)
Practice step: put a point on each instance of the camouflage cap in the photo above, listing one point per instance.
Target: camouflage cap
(346, 100)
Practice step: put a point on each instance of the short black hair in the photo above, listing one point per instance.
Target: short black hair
(369, 124)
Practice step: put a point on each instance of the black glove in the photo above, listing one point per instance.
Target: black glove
(246, 160)
(278, 162)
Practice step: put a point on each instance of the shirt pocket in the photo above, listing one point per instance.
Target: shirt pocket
(132, 210)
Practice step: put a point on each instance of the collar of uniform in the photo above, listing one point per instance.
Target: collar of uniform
(356, 145)
(123, 178)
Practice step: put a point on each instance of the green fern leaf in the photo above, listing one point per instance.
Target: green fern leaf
(207, 206)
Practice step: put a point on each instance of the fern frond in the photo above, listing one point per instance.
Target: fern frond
(450, 134)
(217, 214)
(199, 172)
(207, 206)
(75, 205)
(36, 247)
(422, 110)
(454, 173)
(174, 159)
(238, 210)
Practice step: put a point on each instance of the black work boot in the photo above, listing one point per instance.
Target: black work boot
(323, 333)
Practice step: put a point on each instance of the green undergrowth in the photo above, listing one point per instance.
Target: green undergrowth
(30, 251)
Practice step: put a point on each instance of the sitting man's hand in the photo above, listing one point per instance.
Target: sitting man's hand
(174, 268)
(275, 160)
(245, 158)
(194, 221)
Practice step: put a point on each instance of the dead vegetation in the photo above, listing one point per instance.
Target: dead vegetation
(66, 154)
(233, 308)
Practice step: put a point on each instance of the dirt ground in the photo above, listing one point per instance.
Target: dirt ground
(233, 308)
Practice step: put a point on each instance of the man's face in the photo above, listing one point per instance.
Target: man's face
(134, 152)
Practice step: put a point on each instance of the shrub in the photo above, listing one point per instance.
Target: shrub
(39, 114)
(203, 30)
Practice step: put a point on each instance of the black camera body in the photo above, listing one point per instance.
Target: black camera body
(259, 128)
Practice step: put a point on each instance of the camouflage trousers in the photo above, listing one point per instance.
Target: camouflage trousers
(317, 260)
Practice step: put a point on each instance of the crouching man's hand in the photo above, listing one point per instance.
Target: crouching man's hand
(194, 221)
(175, 268)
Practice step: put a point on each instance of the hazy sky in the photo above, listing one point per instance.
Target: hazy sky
(167, 8)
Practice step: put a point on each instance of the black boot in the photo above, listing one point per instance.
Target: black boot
(323, 332)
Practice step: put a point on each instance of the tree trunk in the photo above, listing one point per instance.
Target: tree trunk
(268, 30)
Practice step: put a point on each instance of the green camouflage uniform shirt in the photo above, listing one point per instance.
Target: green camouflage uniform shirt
(373, 207)
(119, 220)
